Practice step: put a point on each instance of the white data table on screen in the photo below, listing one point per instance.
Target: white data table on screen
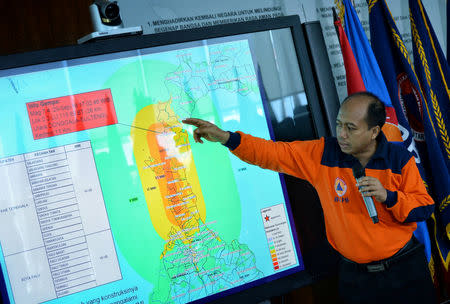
(54, 230)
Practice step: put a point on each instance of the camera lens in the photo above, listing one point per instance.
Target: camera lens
(111, 11)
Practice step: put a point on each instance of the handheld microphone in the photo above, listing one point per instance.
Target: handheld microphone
(358, 173)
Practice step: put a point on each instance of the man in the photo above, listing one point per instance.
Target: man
(381, 262)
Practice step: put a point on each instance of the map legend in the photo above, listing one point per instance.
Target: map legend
(278, 237)
(273, 254)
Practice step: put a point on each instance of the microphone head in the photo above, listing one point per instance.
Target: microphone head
(358, 170)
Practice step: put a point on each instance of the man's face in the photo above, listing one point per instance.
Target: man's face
(353, 135)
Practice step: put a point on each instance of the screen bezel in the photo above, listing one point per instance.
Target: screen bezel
(271, 287)
(160, 39)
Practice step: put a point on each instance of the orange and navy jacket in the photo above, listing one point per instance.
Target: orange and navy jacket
(349, 228)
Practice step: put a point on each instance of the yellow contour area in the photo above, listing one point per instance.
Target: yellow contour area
(168, 174)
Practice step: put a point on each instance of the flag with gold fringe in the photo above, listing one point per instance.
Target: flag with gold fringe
(433, 75)
(373, 81)
(409, 100)
(448, 31)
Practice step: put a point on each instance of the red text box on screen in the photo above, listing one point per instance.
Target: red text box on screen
(73, 113)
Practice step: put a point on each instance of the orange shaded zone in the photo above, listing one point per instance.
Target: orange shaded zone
(171, 181)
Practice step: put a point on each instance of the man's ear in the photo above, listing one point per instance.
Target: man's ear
(375, 131)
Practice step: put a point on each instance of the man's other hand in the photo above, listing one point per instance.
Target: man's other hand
(370, 186)
(207, 130)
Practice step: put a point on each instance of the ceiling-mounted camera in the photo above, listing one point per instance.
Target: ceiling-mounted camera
(107, 23)
(105, 15)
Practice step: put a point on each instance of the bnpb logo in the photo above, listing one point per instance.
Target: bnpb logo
(340, 187)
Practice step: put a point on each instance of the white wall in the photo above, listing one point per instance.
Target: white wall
(169, 15)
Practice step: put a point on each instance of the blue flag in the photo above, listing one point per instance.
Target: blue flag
(374, 83)
(370, 71)
(407, 98)
(434, 75)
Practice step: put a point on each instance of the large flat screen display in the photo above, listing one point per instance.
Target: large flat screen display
(105, 197)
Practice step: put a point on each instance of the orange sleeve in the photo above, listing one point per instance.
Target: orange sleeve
(298, 158)
(413, 202)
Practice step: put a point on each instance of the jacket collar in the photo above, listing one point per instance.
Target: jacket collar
(382, 147)
(380, 152)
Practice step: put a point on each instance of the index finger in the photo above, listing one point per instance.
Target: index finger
(363, 180)
(369, 180)
(194, 121)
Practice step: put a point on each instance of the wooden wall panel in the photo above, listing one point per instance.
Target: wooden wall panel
(28, 25)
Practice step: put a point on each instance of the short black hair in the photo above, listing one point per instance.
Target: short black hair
(376, 111)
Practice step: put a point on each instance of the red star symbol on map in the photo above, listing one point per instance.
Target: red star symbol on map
(266, 218)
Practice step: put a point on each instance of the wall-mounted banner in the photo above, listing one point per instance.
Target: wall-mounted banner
(156, 16)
